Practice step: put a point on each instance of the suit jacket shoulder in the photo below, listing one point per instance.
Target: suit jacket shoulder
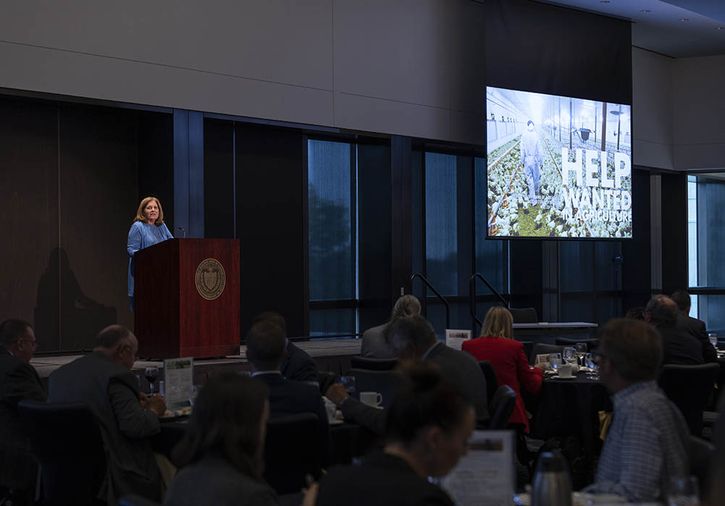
(374, 344)
(299, 365)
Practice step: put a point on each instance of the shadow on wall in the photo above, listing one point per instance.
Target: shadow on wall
(65, 318)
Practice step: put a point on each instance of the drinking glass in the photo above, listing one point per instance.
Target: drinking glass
(151, 374)
(712, 336)
(555, 361)
(581, 351)
(349, 383)
(683, 492)
(569, 355)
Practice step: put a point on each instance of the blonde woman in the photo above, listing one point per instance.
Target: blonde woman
(506, 355)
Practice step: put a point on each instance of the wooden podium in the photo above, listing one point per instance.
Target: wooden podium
(187, 298)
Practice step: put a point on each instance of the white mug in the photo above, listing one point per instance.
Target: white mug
(566, 371)
(373, 399)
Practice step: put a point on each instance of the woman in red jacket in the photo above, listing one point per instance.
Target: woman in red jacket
(508, 359)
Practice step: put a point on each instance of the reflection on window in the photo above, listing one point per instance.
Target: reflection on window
(441, 226)
(332, 244)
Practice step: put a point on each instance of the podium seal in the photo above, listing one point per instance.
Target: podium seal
(210, 279)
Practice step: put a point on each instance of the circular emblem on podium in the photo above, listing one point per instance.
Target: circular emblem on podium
(210, 279)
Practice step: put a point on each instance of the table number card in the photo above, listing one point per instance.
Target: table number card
(455, 338)
(485, 475)
(179, 382)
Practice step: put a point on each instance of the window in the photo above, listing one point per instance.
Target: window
(331, 192)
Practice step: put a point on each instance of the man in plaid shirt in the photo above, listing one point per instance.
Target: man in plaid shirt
(647, 442)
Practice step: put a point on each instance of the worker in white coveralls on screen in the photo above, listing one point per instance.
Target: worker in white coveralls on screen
(532, 156)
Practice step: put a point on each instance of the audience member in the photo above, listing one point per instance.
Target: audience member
(647, 444)
(413, 338)
(696, 328)
(18, 382)
(221, 454)
(427, 431)
(678, 345)
(103, 380)
(265, 351)
(508, 359)
(297, 364)
(374, 344)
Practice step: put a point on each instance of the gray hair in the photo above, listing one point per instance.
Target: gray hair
(406, 305)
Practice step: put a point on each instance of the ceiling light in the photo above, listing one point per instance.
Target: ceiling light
(684, 20)
(720, 28)
(645, 11)
(604, 1)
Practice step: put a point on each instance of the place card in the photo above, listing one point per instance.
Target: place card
(455, 338)
(485, 475)
(179, 382)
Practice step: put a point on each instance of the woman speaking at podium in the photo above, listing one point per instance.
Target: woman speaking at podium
(148, 228)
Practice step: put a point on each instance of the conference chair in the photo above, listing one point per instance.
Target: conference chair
(490, 374)
(524, 314)
(373, 364)
(293, 450)
(67, 442)
(689, 387)
(544, 349)
(571, 341)
(501, 406)
(701, 454)
(384, 382)
(135, 500)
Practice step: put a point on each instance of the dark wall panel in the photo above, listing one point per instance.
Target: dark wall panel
(674, 232)
(156, 162)
(29, 221)
(98, 189)
(637, 253)
(270, 224)
(375, 226)
(219, 217)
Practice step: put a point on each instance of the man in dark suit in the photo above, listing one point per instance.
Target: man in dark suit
(265, 351)
(18, 382)
(297, 364)
(696, 328)
(374, 344)
(678, 345)
(413, 338)
(103, 380)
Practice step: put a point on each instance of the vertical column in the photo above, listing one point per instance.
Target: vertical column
(656, 231)
(401, 214)
(550, 281)
(188, 174)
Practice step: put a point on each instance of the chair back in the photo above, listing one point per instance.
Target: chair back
(136, 500)
(501, 406)
(571, 341)
(524, 315)
(292, 451)
(373, 364)
(701, 454)
(384, 382)
(491, 381)
(66, 440)
(689, 387)
(544, 349)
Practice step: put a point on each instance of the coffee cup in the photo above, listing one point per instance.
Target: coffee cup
(566, 371)
(373, 399)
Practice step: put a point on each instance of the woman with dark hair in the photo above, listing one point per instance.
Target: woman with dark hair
(222, 451)
(427, 431)
(506, 355)
(148, 228)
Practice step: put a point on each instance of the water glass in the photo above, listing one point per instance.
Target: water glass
(581, 351)
(712, 336)
(569, 355)
(555, 361)
(151, 374)
(683, 492)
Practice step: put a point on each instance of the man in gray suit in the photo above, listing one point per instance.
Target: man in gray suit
(696, 328)
(413, 338)
(103, 380)
(374, 344)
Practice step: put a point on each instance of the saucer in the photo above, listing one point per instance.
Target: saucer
(563, 377)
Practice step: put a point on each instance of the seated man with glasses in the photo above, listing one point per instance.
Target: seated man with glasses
(648, 440)
(18, 382)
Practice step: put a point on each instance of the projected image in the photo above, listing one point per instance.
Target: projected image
(557, 166)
